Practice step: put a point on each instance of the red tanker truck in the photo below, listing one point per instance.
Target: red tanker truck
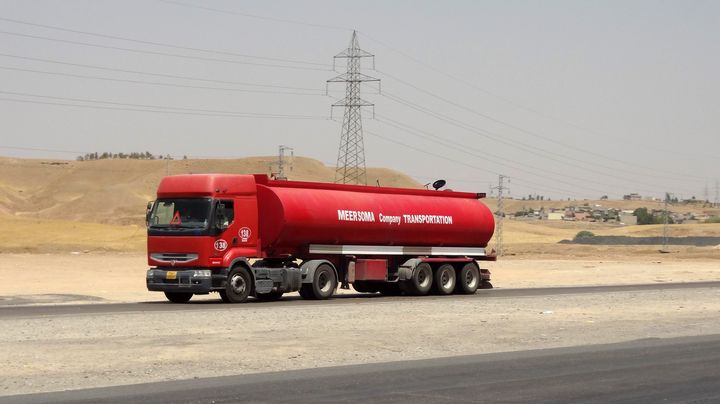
(248, 235)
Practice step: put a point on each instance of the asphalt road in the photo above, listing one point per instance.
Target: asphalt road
(15, 311)
(652, 370)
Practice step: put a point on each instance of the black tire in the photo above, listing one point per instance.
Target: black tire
(323, 284)
(178, 297)
(444, 280)
(468, 279)
(421, 281)
(270, 296)
(238, 285)
(224, 296)
(306, 291)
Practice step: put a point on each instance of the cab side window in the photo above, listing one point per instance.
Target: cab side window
(229, 212)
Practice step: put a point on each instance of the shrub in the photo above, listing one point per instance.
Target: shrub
(584, 234)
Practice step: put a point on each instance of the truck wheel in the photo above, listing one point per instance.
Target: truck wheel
(468, 279)
(323, 284)
(223, 296)
(444, 283)
(270, 296)
(237, 288)
(421, 281)
(178, 297)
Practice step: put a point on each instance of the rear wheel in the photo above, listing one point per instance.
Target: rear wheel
(468, 279)
(178, 297)
(323, 284)
(421, 281)
(444, 280)
(237, 288)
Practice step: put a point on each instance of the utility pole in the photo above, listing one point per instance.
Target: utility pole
(500, 213)
(717, 193)
(350, 167)
(280, 175)
(665, 223)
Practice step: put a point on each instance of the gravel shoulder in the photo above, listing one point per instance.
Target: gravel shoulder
(52, 353)
(73, 351)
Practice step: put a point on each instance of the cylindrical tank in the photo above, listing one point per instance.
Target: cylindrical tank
(295, 214)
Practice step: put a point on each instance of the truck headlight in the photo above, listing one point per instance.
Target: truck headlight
(202, 273)
(150, 274)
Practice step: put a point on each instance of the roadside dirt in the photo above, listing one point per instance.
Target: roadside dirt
(120, 277)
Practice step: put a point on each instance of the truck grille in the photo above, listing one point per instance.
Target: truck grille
(173, 257)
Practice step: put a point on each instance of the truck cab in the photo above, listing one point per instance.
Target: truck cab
(197, 228)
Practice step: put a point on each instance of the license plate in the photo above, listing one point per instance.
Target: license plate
(171, 275)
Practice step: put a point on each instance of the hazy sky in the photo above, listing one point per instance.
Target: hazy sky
(567, 98)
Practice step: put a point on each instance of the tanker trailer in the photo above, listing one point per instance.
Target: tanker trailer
(247, 235)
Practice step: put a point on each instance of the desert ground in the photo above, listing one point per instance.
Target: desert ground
(74, 236)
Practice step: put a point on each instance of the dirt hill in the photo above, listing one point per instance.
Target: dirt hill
(116, 191)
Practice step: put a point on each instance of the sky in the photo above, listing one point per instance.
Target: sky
(569, 99)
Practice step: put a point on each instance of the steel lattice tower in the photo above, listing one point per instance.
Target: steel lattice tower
(350, 167)
(500, 214)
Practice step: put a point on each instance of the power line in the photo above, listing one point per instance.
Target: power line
(81, 76)
(495, 137)
(149, 108)
(157, 53)
(518, 105)
(145, 73)
(462, 163)
(469, 150)
(256, 16)
(526, 131)
(173, 46)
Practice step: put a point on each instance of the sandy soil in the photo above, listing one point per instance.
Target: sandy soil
(120, 277)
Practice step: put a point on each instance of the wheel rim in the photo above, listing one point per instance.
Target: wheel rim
(324, 282)
(470, 279)
(445, 279)
(237, 282)
(423, 279)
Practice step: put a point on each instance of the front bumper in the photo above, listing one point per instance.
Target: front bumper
(185, 280)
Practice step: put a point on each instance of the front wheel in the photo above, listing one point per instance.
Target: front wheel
(178, 297)
(238, 286)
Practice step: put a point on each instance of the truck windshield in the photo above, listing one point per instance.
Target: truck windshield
(184, 213)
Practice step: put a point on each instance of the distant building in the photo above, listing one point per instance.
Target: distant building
(632, 197)
(627, 218)
(555, 215)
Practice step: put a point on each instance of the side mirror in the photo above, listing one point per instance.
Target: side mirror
(148, 210)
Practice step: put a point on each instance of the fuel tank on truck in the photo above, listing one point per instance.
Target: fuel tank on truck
(294, 214)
